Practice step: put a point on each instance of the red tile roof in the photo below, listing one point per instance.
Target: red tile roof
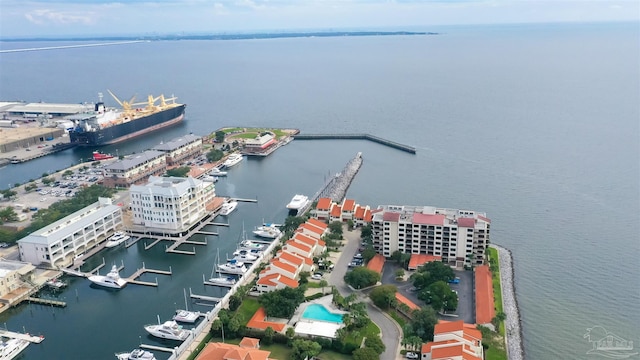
(301, 238)
(222, 351)
(336, 211)
(324, 204)
(418, 260)
(376, 263)
(284, 266)
(248, 342)
(403, 299)
(359, 214)
(317, 223)
(267, 279)
(257, 322)
(286, 256)
(311, 228)
(368, 215)
(287, 281)
(485, 310)
(467, 222)
(428, 219)
(391, 216)
(348, 205)
(298, 245)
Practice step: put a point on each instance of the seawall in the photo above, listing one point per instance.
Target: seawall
(513, 325)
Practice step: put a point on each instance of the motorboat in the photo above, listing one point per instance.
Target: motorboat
(116, 239)
(185, 315)
(136, 354)
(298, 202)
(168, 330)
(11, 348)
(269, 231)
(223, 280)
(228, 207)
(55, 284)
(233, 160)
(250, 245)
(217, 172)
(111, 280)
(209, 178)
(97, 156)
(232, 267)
(244, 256)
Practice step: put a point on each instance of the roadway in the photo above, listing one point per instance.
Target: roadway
(391, 332)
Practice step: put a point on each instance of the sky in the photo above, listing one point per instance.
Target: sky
(34, 18)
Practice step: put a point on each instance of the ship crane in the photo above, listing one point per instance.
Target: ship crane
(126, 105)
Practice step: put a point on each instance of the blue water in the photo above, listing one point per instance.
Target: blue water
(319, 312)
(536, 125)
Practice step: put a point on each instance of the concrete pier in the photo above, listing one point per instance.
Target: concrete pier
(379, 140)
(21, 336)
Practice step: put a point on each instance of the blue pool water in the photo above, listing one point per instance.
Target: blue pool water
(319, 312)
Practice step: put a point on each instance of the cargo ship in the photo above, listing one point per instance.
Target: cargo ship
(105, 126)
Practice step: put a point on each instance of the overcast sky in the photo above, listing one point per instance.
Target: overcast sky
(24, 18)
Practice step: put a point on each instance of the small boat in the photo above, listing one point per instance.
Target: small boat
(298, 202)
(269, 231)
(217, 172)
(228, 207)
(116, 239)
(223, 280)
(167, 330)
(232, 267)
(209, 178)
(136, 354)
(250, 245)
(54, 284)
(11, 348)
(97, 156)
(111, 280)
(243, 256)
(186, 316)
(233, 160)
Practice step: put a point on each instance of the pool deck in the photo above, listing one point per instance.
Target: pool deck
(316, 327)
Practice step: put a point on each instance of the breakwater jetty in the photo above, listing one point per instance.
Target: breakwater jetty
(379, 140)
(513, 326)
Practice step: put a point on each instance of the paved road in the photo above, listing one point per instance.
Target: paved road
(391, 333)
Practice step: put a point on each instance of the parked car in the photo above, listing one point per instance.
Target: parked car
(411, 355)
(316, 277)
(455, 281)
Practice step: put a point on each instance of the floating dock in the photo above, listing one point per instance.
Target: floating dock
(376, 139)
(21, 336)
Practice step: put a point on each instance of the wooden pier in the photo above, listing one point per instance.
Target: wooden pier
(132, 279)
(42, 301)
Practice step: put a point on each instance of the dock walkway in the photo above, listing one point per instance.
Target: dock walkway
(379, 140)
(21, 336)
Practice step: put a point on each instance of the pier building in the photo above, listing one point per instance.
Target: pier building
(135, 169)
(58, 244)
(170, 204)
(181, 149)
(460, 237)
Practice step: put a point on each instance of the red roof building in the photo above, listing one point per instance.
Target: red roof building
(258, 322)
(485, 307)
(248, 349)
(454, 340)
(376, 263)
(418, 260)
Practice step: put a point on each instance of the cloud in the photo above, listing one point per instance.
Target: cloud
(47, 16)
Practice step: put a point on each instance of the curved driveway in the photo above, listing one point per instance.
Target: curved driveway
(391, 333)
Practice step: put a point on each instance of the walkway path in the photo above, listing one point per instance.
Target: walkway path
(391, 333)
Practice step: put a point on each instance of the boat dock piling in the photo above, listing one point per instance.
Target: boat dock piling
(15, 335)
(132, 242)
(42, 301)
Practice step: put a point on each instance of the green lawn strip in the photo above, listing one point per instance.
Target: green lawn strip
(278, 351)
(497, 289)
(248, 307)
(495, 354)
(397, 317)
(356, 336)
(332, 355)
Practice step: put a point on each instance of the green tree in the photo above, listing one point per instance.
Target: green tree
(267, 339)
(366, 233)
(282, 303)
(440, 296)
(383, 296)
(30, 186)
(234, 302)
(179, 171)
(368, 253)
(421, 323)
(8, 193)
(361, 277)
(323, 283)
(290, 333)
(8, 215)
(365, 353)
(291, 223)
(336, 228)
(219, 136)
(214, 155)
(305, 349)
(350, 224)
(375, 343)
(500, 317)
(399, 273)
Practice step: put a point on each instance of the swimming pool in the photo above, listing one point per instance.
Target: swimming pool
(319, 312)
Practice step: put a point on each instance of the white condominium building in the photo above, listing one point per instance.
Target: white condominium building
(59, 243)
(172, 204)
(460, 237)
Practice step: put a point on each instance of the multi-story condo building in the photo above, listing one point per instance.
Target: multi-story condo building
(181, 149)
(170, 204)
(460, 237)
(57, 244)
(135, 169)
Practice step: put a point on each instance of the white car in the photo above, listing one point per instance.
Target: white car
(316, 277)
(411, 355)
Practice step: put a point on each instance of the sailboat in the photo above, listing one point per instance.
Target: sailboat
(185, 315)
(220, 279)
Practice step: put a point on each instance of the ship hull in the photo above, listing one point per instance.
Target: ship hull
(129, 130)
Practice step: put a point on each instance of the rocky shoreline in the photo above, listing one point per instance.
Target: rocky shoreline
(513, 325)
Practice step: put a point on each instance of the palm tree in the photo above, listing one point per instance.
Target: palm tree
(322, 284)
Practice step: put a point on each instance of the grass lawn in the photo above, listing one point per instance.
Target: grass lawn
(369, 330)
(495, 354)
(497, 290)
(248, 307)
(278, 351)
(397, 317)
(332, 355)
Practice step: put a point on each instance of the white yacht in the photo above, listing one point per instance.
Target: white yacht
(267, 231)
(185, 315)
(111, 280)
(167, 330)
(136, 354)
(217, 172)
(244, 256)
(116, 239)
(209, 178)
(11, 348)
(223, 280)
(298, 202)
(232, 267)
(233, 159)
(250, 245)
(228, 207)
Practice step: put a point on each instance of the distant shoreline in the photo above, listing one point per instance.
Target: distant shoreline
(230, 36)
